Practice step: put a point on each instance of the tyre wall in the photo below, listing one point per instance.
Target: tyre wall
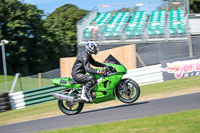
(4, 102)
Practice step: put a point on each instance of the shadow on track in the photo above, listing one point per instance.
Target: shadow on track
(114, 107)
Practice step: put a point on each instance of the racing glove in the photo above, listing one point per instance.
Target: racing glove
(104, 65)
(101, 71)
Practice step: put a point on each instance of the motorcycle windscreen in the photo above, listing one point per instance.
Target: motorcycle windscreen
(112, 60)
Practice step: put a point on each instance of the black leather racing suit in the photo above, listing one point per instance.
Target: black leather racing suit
(81, 66)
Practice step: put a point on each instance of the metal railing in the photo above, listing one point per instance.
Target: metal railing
(29, 82)
(140, 33)
(194, 23)
(131, 7)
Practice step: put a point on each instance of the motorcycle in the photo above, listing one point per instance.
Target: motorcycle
(108, 87)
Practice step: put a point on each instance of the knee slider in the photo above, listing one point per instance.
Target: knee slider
(93, 80)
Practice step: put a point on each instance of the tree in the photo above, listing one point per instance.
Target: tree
(61, 25)
(61, 37)
(194, 6)
(36, 44)
(22, 25)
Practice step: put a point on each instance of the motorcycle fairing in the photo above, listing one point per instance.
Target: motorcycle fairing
(112, 60)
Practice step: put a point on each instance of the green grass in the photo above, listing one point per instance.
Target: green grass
(172, 85)
(180, 122)
(2, 83)
(2, 79)
(26, 83)
(50, 108)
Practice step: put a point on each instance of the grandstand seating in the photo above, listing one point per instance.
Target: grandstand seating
(156, 24)
(116, 25)
(100, 20)
(87, 33)
(177, 23)
(136, 23)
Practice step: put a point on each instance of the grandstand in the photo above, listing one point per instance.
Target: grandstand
(161, 30)
(136, 23)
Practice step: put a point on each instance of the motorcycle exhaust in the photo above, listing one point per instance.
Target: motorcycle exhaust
(64, 97)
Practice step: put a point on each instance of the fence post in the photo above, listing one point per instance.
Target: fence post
(190, 46)
(140, 59)
(40, 79)
(20, 83)
(14, 82)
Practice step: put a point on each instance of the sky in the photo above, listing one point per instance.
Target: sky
(48, 6)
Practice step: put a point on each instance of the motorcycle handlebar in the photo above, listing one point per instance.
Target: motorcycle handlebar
(108, 70)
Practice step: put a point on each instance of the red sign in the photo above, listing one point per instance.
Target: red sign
(180, 68)
(106, 6)
(176, 3)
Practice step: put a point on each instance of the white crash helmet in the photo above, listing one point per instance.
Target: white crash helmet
(92, 47)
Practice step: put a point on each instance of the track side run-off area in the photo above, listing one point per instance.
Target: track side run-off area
(114, 113)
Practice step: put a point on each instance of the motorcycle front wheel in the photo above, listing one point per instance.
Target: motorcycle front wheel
(70, 108)
(127, 91)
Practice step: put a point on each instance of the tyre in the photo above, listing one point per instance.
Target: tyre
(4, 99)
(4, 95)
(1, 111)
(4, 104)
(5, 107)
(127, 91)
(70, 108)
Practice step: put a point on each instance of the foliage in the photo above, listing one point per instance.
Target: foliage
(194, 6)
(36, 44)
(21, 24)
(61, 26)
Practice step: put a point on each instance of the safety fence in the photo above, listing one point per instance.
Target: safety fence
(29, 82)
(146, 75)
(22, 99)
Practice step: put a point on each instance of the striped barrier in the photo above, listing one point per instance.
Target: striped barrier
(146, 75)
(34, 96)
(143, 76)
(17, 100)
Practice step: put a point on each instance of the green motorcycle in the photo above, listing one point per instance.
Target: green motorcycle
(108, 87)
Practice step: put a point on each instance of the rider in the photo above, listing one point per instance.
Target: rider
(82, 65)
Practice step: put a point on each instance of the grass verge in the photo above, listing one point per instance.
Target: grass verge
(148, 92)
(2, 79)
(23, 83)
(180, 122)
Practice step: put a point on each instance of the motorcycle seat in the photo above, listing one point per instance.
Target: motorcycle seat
(72, 82)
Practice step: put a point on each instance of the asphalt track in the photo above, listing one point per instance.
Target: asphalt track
(115, 113)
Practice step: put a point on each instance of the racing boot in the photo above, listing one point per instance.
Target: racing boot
(84, 94)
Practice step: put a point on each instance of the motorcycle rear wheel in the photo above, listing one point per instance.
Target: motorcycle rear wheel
(69, 108)
(128, 91)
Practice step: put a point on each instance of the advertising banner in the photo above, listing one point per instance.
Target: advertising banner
(181, 68)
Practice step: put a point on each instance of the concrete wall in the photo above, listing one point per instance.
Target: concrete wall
(125, 54)
(155, 53)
